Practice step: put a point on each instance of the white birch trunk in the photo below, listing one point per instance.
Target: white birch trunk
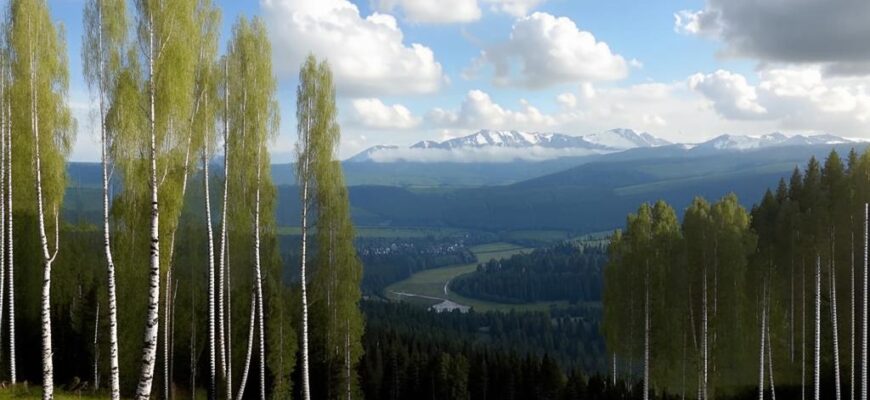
(306, 388)
(114, 364)
(852, 312)
(211, 278)
(613, 379)
(9, 234)
(167, 294)
(47, 257)
(172, 337)
(224, 359)
(114, 378)
(247, 364)
(229, 324)
(3, 133)
(818, 337)
(259, 282)
(770, 354)
(864, 320)
(97, 348)
(149, 351)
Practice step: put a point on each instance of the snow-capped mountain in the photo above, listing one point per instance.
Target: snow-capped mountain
(539, 145)
(486, 138)
(366, 155)
(776, 139)
(501, 146)
(625, 139)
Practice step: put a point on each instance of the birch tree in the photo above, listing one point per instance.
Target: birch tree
(204, 121)
(4, 122)
(40, 82)
(160, 153)
(252, 120)
(698, 230)
(306, 117)
(338, 271)
(9, 236)
(223, 321)
(865, 313)
(104, 38)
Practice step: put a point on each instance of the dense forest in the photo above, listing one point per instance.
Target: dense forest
(566, 271)
(483, 356)
(728, 299)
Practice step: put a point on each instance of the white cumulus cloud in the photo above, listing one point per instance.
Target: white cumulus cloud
(434, 11)
(373, 113)
(478, 111)
(544, 50)
(567, 100)
(731, 95)
(517, 8)
(368, 55)
(800, 98)
(454, 11)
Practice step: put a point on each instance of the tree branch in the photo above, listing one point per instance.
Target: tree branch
(56, 235)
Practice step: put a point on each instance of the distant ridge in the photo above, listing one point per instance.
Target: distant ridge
(510, 145)
(488, 145)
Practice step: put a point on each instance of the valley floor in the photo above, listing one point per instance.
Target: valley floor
(432, 287)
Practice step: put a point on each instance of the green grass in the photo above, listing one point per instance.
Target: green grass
(431, 282)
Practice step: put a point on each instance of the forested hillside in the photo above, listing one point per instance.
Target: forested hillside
(566, 271)
(590, 198)
(730, 300)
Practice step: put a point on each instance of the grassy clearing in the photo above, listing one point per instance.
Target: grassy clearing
(432, 282)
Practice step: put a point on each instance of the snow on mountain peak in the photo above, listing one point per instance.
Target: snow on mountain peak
(775, 139)
(624, 139)
(489, 145)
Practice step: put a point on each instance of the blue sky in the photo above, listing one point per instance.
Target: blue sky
(408, 70)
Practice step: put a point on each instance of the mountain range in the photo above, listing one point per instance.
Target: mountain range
(581, 194)
(502, 146)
